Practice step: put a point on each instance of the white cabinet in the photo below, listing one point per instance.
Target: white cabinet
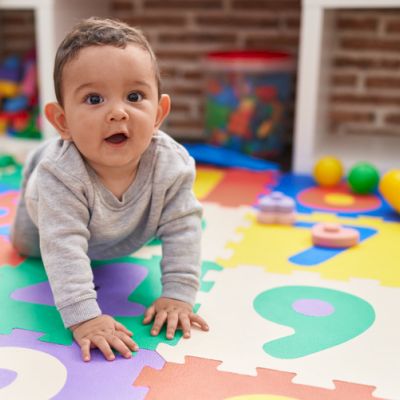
(53, 18)
(311, 139)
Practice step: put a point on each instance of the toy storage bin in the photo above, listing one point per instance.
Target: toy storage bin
(247, 96)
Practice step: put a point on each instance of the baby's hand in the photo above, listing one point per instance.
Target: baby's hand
(104, 333)
(175, 313)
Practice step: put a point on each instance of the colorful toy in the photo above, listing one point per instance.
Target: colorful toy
(334, 235)
(28, 84)
(363, 178)
(3, 124)
(15, 104)
(328, 171)
(248, 93)
(8, 89)
(8, 73)
(389, 187)
(9, 77)
(19, 97)
(276, 208)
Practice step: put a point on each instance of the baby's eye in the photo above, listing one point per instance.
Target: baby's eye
(135, 97)
(94, 99)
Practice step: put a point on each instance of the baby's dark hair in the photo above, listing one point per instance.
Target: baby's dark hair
(96, 31)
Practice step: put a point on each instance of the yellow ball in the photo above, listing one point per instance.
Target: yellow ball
(328, 171)
(389, 186)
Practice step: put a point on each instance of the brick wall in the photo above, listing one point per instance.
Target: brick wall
(365, 78)
(17, 32)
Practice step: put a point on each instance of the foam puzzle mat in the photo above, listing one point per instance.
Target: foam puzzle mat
(288, 320)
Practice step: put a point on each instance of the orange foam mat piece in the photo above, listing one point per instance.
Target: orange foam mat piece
(199, 379)
(8, 201)
(8, 255)
(240, 187)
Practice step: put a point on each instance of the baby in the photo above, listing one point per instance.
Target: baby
(109, 184)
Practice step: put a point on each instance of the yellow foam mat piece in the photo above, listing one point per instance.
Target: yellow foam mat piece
(271, 246)
(206, 181)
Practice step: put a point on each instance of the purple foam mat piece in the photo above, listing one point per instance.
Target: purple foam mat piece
(313, 307)
(98, 379)
(114, 282)
(6, 377)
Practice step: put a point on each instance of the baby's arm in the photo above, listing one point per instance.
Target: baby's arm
(180, 234)
(62, 215)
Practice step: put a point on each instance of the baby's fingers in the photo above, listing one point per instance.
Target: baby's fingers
(102, 344)
(172, 324)
(131, 344)
(149, 315)
(85, 349)
(185, 325)
(159, 321)
(117, 344)
(196, 319)
(122, 328)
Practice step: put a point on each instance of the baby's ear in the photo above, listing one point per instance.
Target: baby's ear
(164, 106)
(56, 116)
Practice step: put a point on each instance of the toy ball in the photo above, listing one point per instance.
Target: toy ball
(328, 171)
(363, 178)
(389, 187)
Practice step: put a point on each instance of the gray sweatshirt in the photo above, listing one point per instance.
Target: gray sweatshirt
(73, 218)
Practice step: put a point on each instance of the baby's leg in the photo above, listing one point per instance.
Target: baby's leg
(24, 234)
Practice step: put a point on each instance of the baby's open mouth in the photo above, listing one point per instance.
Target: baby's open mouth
(117, 138)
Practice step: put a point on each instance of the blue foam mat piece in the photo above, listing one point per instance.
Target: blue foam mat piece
(222, 157)
(315, 255)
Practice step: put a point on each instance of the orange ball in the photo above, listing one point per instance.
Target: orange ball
(328, 171)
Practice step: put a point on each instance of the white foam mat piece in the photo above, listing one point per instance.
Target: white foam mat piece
(238, 333)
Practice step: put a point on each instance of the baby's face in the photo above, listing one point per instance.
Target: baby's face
(111, 104)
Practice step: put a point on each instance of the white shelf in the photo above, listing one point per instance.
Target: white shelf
(311, 137)
(53, 18)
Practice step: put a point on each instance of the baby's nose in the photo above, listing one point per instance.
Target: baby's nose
(117, 113)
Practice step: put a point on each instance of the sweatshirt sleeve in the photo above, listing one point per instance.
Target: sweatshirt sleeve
(61, 213)
(180, 234)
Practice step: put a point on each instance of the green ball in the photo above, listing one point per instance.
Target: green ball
(363, 178)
